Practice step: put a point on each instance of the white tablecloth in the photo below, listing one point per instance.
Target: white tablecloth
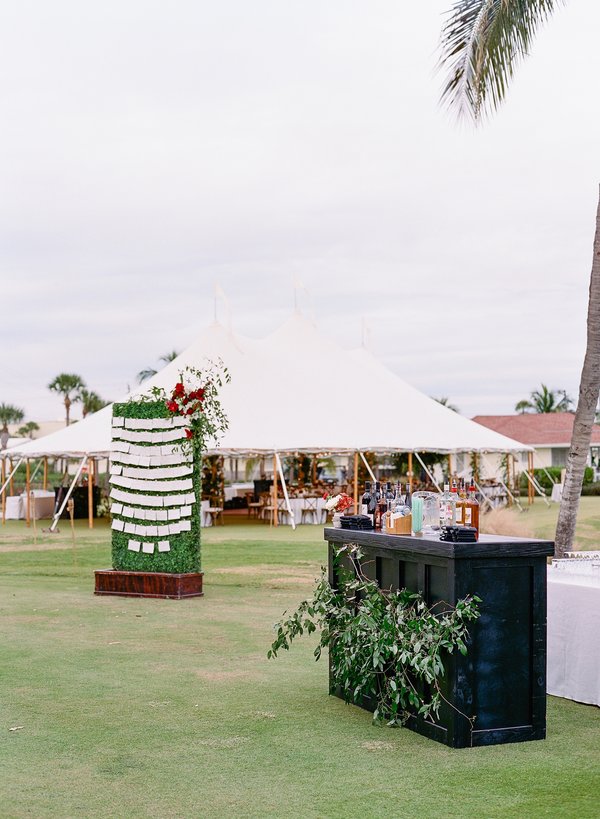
(42, 504)
(573, 636)
(298, 504)
(238, 490)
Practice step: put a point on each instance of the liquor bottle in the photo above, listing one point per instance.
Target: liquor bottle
(382, 507)
(447, 507)
(472, 509)
(366, 500)
(461, 503)
(407, 497)
(389, 495)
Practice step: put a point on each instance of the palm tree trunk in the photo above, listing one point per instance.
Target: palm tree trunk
(589, 389)
(67, 407)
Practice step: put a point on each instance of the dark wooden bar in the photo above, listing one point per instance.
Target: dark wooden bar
(502, 680)
(149, 584)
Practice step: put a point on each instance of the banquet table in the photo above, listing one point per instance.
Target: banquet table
(42, 505)
(238, 490)
(574, 633)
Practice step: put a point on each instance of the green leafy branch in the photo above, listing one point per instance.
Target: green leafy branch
(385, 647)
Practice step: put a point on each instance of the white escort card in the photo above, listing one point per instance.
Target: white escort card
(152, 473)
(148, 547)
(164, 546)
(134, 545)
(152, 486)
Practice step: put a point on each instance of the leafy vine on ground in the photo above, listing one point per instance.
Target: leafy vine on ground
(383, 645)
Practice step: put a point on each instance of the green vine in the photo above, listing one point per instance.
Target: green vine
(383, 645)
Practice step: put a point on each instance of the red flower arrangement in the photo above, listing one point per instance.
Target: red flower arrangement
(185, 403)
(338, 503)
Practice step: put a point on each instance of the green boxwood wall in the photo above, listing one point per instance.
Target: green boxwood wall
(185, 546)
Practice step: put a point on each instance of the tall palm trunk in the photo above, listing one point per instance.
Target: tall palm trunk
(589, 389)
(68, 408)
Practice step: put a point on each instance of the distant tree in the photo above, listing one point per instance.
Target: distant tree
(144, 375)
(69, 386)
(9, 414)
(545, 400)
(445, 402)
(90, 402)
(27, 430)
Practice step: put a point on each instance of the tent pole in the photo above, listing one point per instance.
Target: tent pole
(3, 495)
(410, 471)
(275, 493)
(90, 493)
(530, 475)
(28, 490)
(45, 473)
(67, 496)
(449, 467)
(285, 492)
(366, 463)
(427, 472)
(314, 470)
(9, 480)
(356, 483)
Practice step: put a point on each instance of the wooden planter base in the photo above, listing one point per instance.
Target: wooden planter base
(149, 584)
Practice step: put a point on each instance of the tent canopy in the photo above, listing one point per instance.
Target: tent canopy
(294, 391)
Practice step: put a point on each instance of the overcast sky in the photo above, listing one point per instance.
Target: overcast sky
(150, 149)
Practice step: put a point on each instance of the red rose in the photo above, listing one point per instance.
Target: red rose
(189, 433)
(184, 400)
(200, 394)
(172, 406)
(190, 410)
(179, 388)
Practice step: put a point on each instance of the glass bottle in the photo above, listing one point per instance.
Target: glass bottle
(461, 503)
(366, 500)
(447, 507)
(472, 509)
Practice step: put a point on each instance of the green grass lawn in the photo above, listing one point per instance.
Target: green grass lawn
(160, 708)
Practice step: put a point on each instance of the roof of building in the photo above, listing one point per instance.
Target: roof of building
(536, 429)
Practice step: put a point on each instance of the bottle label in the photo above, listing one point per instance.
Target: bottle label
(364, 509)
(468, 516)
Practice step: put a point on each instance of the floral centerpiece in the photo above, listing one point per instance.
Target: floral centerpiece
(337, 504)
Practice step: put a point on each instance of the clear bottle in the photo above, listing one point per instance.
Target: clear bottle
(389, 494)
(472, 509)
(447, 507)
(408, 497)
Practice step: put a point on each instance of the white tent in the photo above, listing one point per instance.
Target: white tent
(297, 391)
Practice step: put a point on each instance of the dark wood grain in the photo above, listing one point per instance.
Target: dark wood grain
(149, 584)
(502, 680)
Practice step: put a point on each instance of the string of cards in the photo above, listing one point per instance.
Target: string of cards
(152, 491)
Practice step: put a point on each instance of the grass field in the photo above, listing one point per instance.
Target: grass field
(157, 708)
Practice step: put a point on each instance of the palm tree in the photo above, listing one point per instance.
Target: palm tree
(445, 402)
(90, 402)
(9, 414)
(144, 375)
(482, 42)
(68, 385)
(545, 400)
(27, 430)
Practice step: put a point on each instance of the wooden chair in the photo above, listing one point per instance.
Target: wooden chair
(215, 511)
(254, 507)
(310, 509)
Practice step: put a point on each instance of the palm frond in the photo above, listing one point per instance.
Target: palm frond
(482, 43)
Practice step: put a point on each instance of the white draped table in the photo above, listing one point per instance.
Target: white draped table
(574, 635)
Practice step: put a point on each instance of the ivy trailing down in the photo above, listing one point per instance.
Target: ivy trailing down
(383, 645)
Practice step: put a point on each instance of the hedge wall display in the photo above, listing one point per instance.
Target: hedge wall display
(155, 490)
